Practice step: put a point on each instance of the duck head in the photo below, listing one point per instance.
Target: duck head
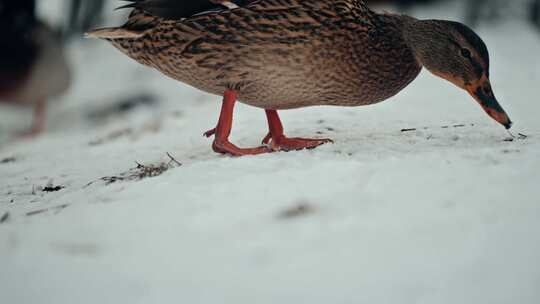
(454, 52)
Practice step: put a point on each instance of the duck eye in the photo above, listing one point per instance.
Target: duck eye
(466, 53)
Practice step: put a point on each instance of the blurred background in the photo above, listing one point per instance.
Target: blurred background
(39, 61)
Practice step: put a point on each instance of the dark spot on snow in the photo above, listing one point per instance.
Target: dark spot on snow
(509, 151)
(123, 106)
(449, 205)
(52, 188)
(111, 137)
(298, 210)
(177, 114)
(4, 218)
(8, 160)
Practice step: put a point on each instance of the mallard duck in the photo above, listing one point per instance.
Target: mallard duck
(287, 54)
(33, 65)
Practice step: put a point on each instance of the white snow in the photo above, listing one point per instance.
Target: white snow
(431, 216)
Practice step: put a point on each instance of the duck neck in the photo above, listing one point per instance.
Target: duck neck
(412, 34)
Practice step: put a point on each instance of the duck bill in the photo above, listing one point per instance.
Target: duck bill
(483, 94)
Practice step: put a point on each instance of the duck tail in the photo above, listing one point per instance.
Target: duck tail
(138, 24)
(114, 33)
(147, 13)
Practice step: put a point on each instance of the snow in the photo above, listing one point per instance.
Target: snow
(436, 215)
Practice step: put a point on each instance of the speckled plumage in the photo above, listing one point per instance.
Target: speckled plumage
(279, 54)
(284, 54)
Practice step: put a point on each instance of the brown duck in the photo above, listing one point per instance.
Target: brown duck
(286, 54)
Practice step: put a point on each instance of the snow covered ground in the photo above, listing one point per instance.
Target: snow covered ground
(436, 215)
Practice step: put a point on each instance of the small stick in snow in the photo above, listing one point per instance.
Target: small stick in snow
(140, 172)
(173, 160)
(408, 130)
(442, 127)
(513, 137)
(4, 218)
(37, 212)
(522, 136)
(57, 209)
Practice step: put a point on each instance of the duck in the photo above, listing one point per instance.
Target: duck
(287, 54)
(34, 68)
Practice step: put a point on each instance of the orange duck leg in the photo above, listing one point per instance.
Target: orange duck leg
(223, 130)
(38, 125)
(275, 138)
(279, 142)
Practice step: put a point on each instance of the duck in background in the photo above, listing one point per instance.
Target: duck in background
(33, 68)
(535, 13)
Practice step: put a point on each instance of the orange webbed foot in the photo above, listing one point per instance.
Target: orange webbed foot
(293, 144)
(226, 147)
(286, 144)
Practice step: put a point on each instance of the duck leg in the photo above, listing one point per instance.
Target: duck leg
(223, 130)
(38, 125)
(38, 121)
(279, 142)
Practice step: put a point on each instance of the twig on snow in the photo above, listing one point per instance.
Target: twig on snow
(173, 160)
(442, 127)
(512, 137)
(39, 211)
(4, 218)
(140, 172)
